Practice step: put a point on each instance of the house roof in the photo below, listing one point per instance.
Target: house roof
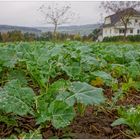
(116, 17)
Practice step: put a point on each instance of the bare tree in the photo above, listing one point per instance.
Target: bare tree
(124, 10)
(57, 15)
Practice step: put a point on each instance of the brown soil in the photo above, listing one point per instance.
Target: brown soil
(89, 126)
(25, 124)
(132, 98)
(5, 131)
(97, 126)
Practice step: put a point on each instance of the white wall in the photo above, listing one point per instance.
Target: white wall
(109, 31)
(114, 30)
(100, 38)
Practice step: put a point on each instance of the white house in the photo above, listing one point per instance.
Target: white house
(113, 25)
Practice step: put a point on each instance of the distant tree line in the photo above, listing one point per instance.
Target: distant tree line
(14, 36)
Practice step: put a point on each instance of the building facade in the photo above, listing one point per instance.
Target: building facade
(113, 25)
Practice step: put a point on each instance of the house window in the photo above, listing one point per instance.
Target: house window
(121, 31)
(138, 31)
(136, 20)
(131, 31)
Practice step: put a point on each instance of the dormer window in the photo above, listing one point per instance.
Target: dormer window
(107, 20)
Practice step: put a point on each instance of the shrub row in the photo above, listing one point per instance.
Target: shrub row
(132, 38)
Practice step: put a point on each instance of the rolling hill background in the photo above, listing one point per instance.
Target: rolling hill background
(6, 28)
(82, 29)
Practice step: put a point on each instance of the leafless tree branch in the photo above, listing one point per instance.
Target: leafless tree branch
(57, 15)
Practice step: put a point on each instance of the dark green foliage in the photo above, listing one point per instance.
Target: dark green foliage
(53, 83)
(132, 38)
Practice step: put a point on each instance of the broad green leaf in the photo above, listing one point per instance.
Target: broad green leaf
(72, 70)
(82, 93)
(61, 114)
(134, 69)
(67, 97)
(58, 86)
(84, 49)
(18, 74)
(54, 89)
(102, 75)
(107, 78)
(8, 57)
(43, 101)
(16, 99)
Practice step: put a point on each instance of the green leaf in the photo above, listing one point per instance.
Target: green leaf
(61, 114)
(119, 122)
(58, 86)
(67, 97)
(102, 75)
(73, 70)
(131, 116)
(8, 56)
(31, 135)
(137, 86)
(54, 89)
(43, 101)
(134, 69)
(18, 74)
(17, 99)
(108, 80)
(42, 114)
(82, 93)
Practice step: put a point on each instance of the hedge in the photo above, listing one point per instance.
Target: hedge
(132, 38)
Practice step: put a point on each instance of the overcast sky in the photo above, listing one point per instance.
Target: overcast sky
(27, 14)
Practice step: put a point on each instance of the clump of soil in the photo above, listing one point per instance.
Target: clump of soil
(96, 126)
(131, 98)
(27, 123)
(5, 130)
(24, 124)
(51, 132)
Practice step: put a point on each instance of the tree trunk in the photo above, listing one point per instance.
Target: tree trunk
(125, 31)
(54, 33)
